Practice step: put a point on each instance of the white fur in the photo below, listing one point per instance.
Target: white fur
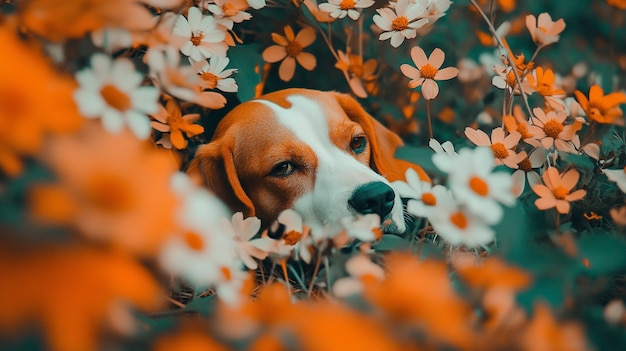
(338, 173)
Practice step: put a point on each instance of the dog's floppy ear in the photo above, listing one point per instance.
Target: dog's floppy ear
(213, 164)
(383, 142)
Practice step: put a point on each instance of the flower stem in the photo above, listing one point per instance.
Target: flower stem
(283, 264)
(430, 123)
(508, 55)
(315, 271)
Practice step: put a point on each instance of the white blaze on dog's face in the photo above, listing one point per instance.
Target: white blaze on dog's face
(312, 151)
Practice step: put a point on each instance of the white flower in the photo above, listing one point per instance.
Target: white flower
(401, 24)
(214, 75)
(458, 226)
(536, 159)
(362, 227)
(111, 90)
(445, 148)
(361, 271)
(471, 180)
(256, 4)
(204, 38)
(229, 12)
(618, 176)
(181, 81)
(423, 195)
(341, 8)
(295, 237)
(242, 230)
(201, 247)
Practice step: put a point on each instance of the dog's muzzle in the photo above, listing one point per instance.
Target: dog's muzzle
(374, 197)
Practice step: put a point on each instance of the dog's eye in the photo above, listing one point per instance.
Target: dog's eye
(283, 169)
(358, 144)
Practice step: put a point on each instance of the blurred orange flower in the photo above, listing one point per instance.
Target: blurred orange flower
(602, 108)
(72, 292)
(437, 308)
(543, 30)
(620, 4)
(120, 186)
(58, 20)
(29, 112)
(544, 333)
(188, 339)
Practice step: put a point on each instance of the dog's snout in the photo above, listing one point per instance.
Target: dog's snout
(374, 197)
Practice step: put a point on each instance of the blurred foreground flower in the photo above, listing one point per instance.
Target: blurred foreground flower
(71, 292)
(290, 49)
(475, 185)
(72, 19)
(120, 188)
(111, 90)
(427, 71)
(557, 190)
(29, 113)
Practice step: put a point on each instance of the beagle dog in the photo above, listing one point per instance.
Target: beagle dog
(318, 153)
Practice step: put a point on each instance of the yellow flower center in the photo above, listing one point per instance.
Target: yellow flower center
(346, 4)
(479, 186)
(110, 193)
(229, 9)
(499, 150)
(356, 70)
(525, 165)
(429, 199)
(521, 128)
(196, 38)
(292, 237)
(400, 23)
(115, 97)
(293, 49)
(193, 240)
(210, 79)
(428, 71)
(459, 219)
(560, 192)
(510, 79)
(552, 128)
(226, 273)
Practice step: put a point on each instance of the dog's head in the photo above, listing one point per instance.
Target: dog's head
(319, 153)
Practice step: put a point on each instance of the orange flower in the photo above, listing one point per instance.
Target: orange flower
(543, 30)
(290, 49)
(70, 292)
(120, 187)
(427, 71)
(58, 20)
(170, 119)
(28, 111)
(602, 108)
(517, 123)
(557, 190)
(620, 4)
(543, 82)
(544, 333)
(361, 74)
(438, 309)
(188, 339)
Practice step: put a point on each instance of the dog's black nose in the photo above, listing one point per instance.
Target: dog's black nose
(374, 197)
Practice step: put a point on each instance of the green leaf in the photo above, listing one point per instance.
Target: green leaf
(421, 156)
(249, 64)
(582, 162)
(602, 253)
(391, 242)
